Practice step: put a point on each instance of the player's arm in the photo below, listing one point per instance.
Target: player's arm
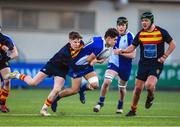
(130, 55)
(13, 53)
(129, 49)
(91, 57)
(170, 49)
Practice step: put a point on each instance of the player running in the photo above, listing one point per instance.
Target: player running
(119, 65)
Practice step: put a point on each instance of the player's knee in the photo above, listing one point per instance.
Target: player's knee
(94, 82)
(94, 85)
(32, 83)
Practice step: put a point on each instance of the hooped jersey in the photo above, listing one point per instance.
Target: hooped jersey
(152, 44)
(122, 43)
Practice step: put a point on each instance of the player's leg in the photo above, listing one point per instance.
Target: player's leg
(76, 82)
(43, 73)
(5, 90)
(139, 85)
(122, 92)
(93, 83)
(150, 85)
(58, 84)
(124, 74)
(109, 75)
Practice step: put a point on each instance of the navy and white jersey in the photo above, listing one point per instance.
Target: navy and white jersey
(80, 64)
(122, 43)
(7, 41)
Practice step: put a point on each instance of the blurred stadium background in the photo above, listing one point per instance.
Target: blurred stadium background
(40, 28)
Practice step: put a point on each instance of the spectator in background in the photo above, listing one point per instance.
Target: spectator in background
(119, 65)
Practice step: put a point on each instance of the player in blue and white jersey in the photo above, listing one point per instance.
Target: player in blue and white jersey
(118, 65)
(82, 65)
(8, 51)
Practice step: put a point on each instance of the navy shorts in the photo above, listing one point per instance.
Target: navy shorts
(146, 70)
(3, 65)
(52, 70)
(81, 72)
(123, 72)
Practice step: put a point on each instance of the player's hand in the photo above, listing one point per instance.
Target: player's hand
(101, 61)
(161, 59)
(93, 62)
(118, 51)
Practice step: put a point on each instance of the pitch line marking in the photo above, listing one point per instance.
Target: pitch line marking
(91, 115)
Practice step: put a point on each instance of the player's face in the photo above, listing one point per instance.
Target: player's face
(145, 23)
(75, 44)
(110, 42)
(121, 28)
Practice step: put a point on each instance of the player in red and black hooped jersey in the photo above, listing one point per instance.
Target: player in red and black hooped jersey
(8, 51)
(152, 56)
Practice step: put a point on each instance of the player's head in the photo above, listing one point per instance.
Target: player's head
(147, 19)
(122, 25)
(111, 37)
(75, 40)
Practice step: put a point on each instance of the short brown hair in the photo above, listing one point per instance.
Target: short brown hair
(74, 35)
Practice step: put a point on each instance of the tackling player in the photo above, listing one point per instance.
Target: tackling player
(83, 64)
(57, 66)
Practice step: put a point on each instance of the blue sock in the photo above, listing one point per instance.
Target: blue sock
(57, 98)
(83, 88)
(101, 100)
(120, 104)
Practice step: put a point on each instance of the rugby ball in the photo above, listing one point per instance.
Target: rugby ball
(104, 54)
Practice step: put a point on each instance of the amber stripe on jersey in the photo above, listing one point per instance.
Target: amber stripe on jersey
(154, 37)
(74, 53)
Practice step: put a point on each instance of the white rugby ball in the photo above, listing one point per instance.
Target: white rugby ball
(104, 54)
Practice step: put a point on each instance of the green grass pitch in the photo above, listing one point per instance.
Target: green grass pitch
(25, 106)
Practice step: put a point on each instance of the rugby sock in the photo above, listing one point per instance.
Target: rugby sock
(120, 104)
(101, 100)
(22, 77)
(4, 95)
(47, 103)
(83, 88)
(58, 98)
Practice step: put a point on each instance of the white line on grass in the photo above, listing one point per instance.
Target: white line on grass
(91, 115)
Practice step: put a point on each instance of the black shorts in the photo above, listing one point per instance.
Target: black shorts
(52, 70)
(146, 70)
(3, 65)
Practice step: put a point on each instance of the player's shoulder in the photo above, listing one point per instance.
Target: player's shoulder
(97, 38)
(130, 34)
(162, 30)
(6, 37)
